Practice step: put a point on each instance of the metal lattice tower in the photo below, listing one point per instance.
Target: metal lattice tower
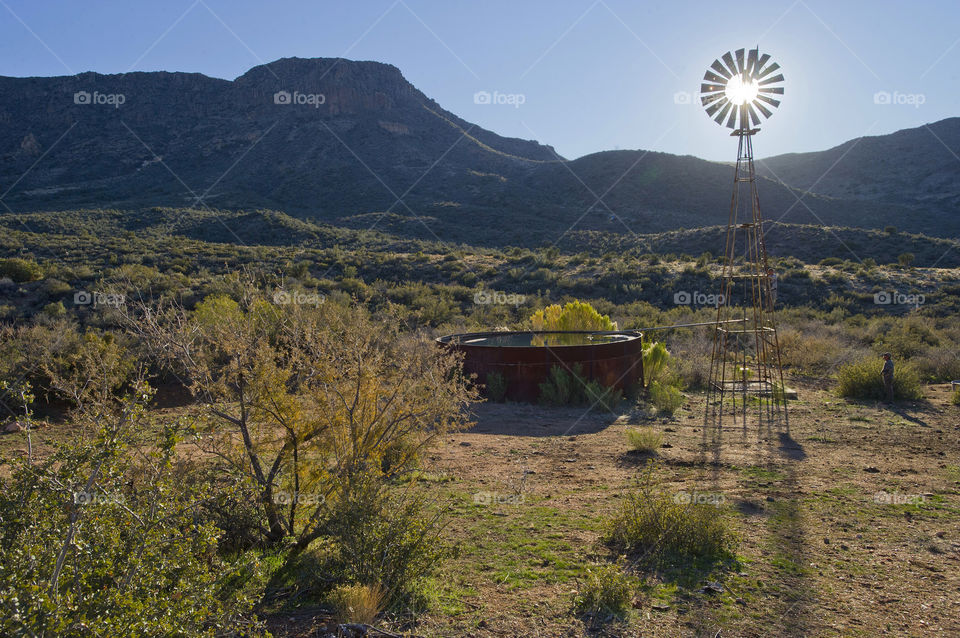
(746, 375)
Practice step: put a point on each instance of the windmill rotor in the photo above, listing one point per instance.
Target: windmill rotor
(741, 88)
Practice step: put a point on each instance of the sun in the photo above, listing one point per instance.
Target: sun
(741, 90)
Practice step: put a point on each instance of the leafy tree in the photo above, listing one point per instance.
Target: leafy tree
(906, 259)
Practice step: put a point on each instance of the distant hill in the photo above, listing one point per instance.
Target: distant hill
(917, 167)
(340, 142)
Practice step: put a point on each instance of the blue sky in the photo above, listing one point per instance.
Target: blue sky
(591, 75)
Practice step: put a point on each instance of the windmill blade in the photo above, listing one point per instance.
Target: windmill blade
(712, 98)
(754, 118)
(723, 112)
(777, 89)
(763, 60)
(719, 68)
(770, 69)
(752, 61)
(773, 80)
(733, 118)
(740, 67)
(717, 106)
(728, 60)
(713, 77)
(711, 88)
(769, 100)
(766, 112)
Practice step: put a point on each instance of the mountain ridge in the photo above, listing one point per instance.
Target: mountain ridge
(353, 143)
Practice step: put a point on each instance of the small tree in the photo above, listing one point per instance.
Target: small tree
(906, 259)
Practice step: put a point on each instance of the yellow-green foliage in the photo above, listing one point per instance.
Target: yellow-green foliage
(656, 358)
(576, 315)
(665, 398)
(605, 590)
(644, 439)
(956, 397)
(662, 528)
(861, 380)
(357, 603)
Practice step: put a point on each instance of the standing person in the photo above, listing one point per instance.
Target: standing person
(772, 275)
(887, 374)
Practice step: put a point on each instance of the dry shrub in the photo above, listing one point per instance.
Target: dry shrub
(644, 439)
(360, 604)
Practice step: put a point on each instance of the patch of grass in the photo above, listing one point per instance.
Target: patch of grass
(605, 591)
(357, 603)
(644, 439)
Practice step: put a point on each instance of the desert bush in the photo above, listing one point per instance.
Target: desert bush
(339, 391)
(861, 380)
(666, 398)
(496, 387)
(599, 396)
(644, 439)
(939, 365)
(605, 591)
(656, 360)
(20, 270)
(99, 539)
(657, 528)
(382, 537)
(692, 359)
(560, 388)
(576, 315)
(956, 397)
(564, 387)
(360, 604)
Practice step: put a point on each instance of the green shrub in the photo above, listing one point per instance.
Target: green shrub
(956, 397)
(600, 396)
(667, 399)
(665, 529)
(571, 388)
(496, 387)
(644, 439)
(656, 359)
(381, 537)
(861, 380)
(359, 604)
(20, 270)
(96, 543)
(605, 591)
(560, 388)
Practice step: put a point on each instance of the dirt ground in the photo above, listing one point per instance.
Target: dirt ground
(849, 520)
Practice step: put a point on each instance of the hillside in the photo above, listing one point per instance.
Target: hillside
(914, 167)
(345, 143)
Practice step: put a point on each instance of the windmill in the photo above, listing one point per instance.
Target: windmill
(746, 375)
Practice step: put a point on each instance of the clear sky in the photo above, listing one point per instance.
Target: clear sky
(592, 75)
